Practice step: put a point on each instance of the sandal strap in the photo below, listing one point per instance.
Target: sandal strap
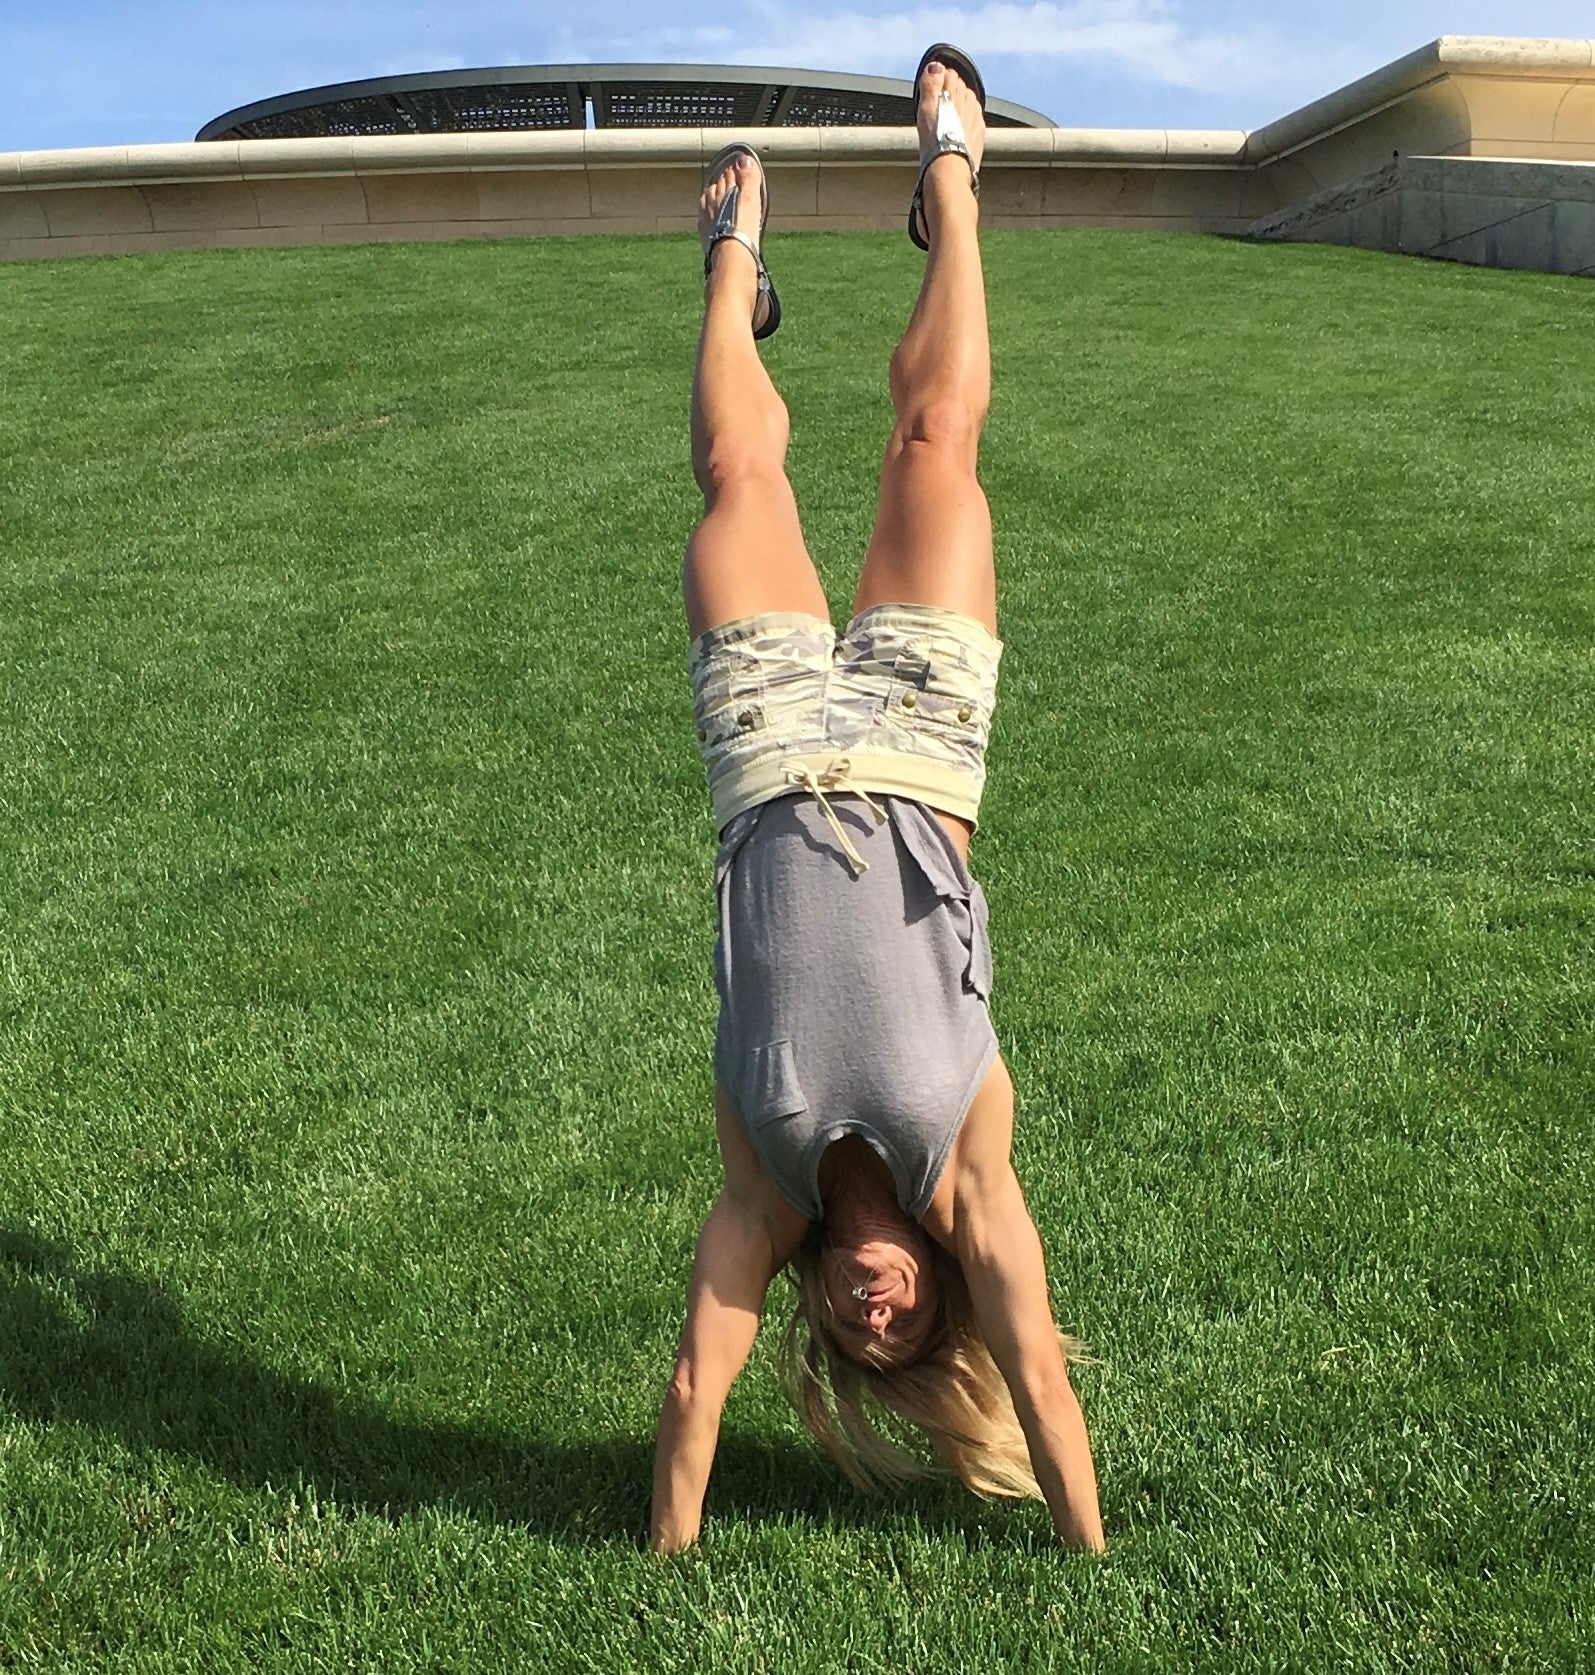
(950, 135)
(764, 304)
(947, 151)
(950, 139)
(719, 235)
(918, 227)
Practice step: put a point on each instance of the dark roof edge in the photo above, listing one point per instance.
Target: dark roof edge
(584, 74)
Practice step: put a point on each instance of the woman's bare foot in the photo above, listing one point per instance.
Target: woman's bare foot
(731, 264)
(945, 184)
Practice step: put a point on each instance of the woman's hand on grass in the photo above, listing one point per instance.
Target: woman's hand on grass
(731, 1272)
(1001, 1256)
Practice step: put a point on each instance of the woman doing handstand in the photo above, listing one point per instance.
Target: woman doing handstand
(864, 1116)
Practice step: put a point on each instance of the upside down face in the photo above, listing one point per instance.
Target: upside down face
(881, 1284)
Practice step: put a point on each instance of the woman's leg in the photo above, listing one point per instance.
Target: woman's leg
(747, 555)
(932, 539)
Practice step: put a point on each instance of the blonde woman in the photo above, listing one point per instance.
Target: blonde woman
(864, 1115)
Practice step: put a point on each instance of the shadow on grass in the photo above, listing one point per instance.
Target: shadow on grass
(113, 1352)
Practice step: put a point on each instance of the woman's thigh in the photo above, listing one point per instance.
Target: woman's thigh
(932, 539)
(748, 556)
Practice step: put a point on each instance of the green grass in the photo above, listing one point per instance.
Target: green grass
(355, 1007)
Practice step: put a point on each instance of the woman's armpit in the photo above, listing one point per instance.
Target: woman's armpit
(747, 1181)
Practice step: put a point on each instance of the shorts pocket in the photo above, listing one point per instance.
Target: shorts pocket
(935, 690)
(773, 1089)
(727, 696)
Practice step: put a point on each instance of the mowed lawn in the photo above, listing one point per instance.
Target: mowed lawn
(355, 1000)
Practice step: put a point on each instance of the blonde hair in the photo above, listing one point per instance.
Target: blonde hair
(950, 1390)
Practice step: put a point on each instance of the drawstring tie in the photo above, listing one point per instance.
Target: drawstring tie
(836, 775)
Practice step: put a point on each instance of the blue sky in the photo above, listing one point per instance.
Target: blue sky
(124, 72)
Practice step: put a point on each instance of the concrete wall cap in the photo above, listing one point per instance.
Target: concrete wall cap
(278, 159)
(407, 153)
(867, 145)
(1110, 145)
(1206, 145)
(500, 150)
(767, 143)
(670, 147)
(178, 162)
(1016, 145)
(72, 168)
(1521, 54)
(1345, 104)
(150, 165)
(1384, 86)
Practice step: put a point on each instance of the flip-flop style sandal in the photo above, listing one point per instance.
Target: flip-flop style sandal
(766, 304)
(950, 135)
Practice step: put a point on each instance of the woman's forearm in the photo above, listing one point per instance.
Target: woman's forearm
(1060, 1454)
(688, 1432)
(731, 1270)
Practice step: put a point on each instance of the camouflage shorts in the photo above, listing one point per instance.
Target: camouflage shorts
(900, 704)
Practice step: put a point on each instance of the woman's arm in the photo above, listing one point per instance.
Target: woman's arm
(731, 1272)
(749, 1237)
(999, 1251)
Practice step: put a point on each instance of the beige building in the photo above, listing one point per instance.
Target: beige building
(1479, 149)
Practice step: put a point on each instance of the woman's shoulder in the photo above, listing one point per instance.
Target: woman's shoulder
(981, 1156)
(748, 1184)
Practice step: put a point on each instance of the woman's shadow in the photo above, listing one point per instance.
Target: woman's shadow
(113, 1352)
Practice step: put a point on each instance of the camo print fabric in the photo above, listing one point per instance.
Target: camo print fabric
(915, 681)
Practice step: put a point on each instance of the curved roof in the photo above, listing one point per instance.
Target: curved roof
(615, 95)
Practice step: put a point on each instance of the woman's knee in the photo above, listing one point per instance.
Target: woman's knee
(945, 429)
(753, 453)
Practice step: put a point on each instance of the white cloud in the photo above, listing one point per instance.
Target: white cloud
(1148, 40)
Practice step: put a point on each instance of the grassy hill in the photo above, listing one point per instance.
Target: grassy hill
(355, 1005)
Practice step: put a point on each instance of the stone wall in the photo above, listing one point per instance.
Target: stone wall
(1460, 96)
(1504, 213)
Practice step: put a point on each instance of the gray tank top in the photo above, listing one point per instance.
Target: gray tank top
(850, 1004)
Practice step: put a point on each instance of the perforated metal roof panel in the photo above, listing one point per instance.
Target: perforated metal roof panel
(532, 96)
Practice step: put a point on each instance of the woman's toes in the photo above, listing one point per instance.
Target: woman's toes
(749, 209)
(714, 195)
(741, 175)
(940, 78)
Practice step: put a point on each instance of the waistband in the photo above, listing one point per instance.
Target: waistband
(736, 786)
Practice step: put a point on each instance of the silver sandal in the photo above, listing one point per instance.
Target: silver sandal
(765, 303)
(950, 135)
